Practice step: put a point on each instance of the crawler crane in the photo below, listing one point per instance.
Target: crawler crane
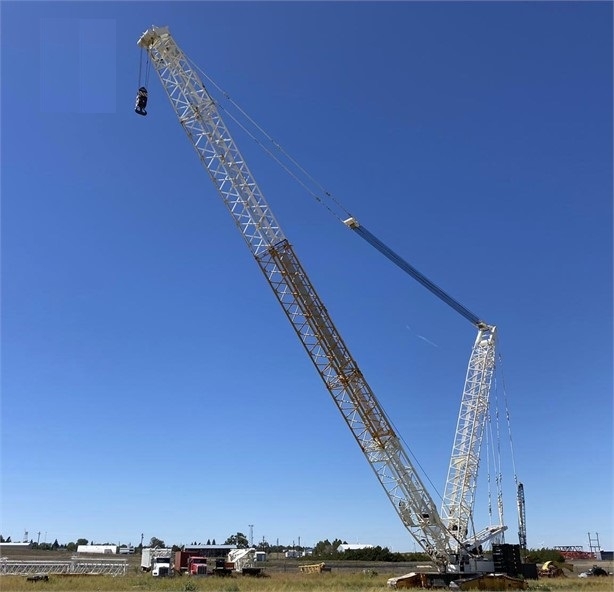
(441, 536)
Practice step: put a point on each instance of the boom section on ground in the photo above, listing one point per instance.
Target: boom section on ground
(309, 318)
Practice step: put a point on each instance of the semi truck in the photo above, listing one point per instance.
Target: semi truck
(157, 561)
(237, 561)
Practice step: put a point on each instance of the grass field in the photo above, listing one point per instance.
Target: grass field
(280, 576)
(275, 582)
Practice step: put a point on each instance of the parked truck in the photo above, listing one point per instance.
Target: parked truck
(157, 561)
(197, 566)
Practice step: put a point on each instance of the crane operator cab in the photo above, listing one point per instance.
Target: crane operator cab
(141, 101)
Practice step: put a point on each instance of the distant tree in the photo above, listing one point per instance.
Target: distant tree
(8, 540)
(373, 554)
(415, 556)
(81, 542)
(156, 542)
(1, 539)
(213, 542)
(72, 547)
(239, 539)
(208, 542)
(55, 545)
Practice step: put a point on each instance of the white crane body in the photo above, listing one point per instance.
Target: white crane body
(459, 496)
(440, 536)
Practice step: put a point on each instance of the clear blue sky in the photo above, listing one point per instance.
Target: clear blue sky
(151, 383)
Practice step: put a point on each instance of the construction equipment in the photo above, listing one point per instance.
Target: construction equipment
(313, 568)
(554, 569)
(444, 537)
(593, 571)
(242, 561)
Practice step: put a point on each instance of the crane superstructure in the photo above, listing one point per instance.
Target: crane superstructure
(440, 537)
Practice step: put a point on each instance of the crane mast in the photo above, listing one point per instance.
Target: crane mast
(199, 117)
(459, 495)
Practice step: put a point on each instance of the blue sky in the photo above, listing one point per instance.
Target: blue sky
(150, 382)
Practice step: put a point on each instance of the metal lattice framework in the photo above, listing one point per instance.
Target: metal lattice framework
(522, 517)
(459, 496)
(356, 401)
(75, 566)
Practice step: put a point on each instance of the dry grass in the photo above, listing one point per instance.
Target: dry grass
(276, 582)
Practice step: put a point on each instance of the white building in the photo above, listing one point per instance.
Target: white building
(98, 549)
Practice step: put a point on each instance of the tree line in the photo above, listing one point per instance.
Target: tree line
(325, 550)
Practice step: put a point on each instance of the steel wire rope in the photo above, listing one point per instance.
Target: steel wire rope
(147, 70)
(497, 462)
(491, 464)
(141, 64)
(324, 197)
(507, 416)
(321, 197)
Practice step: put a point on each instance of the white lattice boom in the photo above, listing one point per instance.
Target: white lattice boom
(459, 496)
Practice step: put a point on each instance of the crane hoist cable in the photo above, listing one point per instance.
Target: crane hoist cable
(141, 95)
(334, 206)
(320, 194)
(520, 499)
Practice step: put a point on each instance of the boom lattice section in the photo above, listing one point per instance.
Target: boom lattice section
(461, 483)
(76, 566)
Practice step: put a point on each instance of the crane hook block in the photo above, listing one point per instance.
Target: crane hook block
(141, 101)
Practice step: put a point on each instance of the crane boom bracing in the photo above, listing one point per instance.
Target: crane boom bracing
(275, 256)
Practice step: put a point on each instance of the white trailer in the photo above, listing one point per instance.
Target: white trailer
(156, 560)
